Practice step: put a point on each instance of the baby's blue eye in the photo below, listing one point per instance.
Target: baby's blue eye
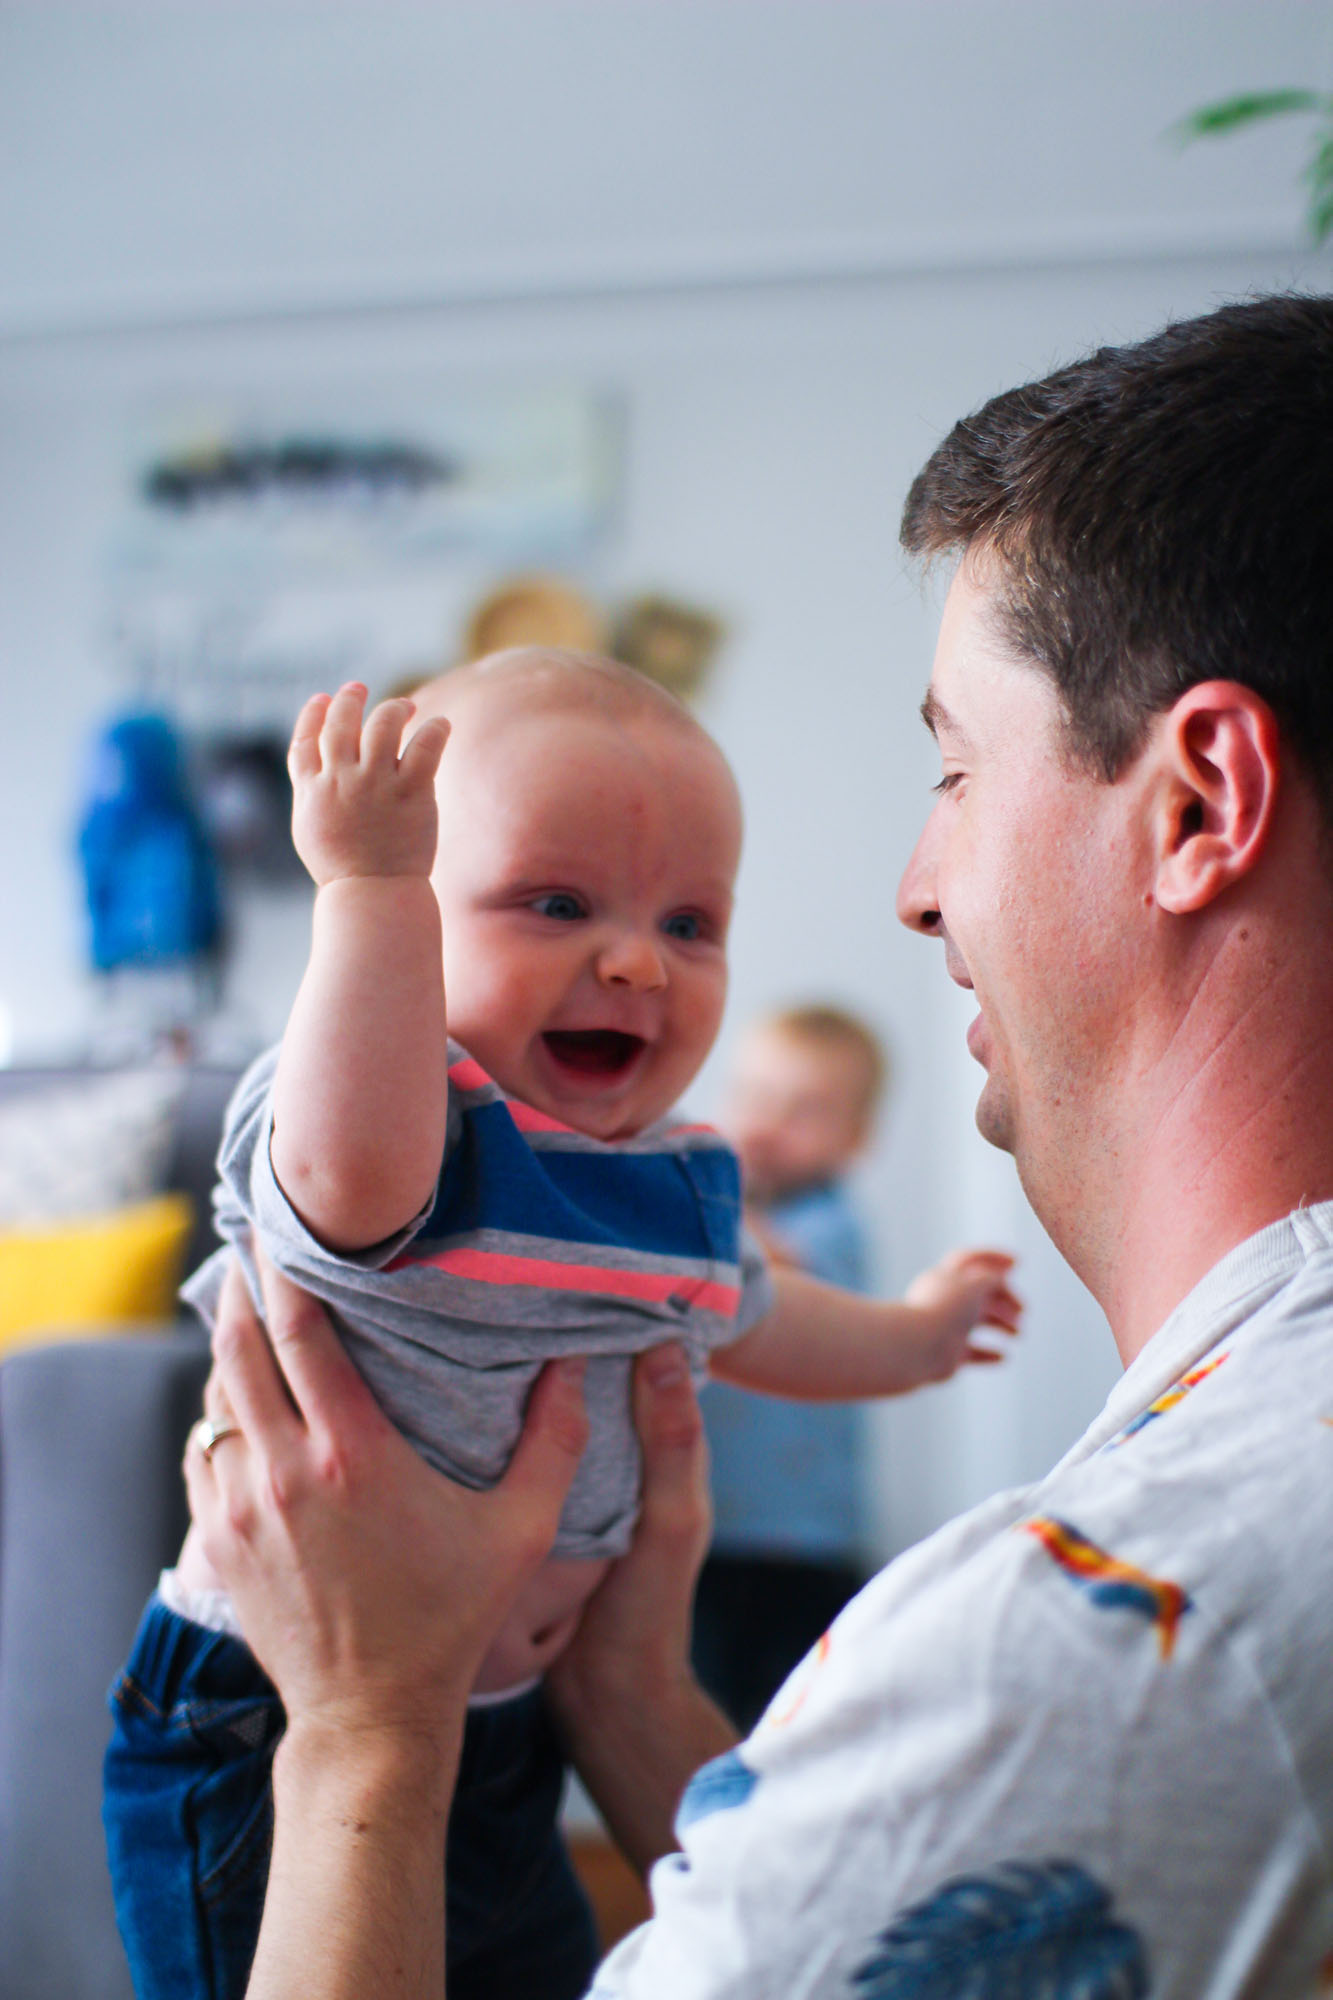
(684, 925)
(566, 909)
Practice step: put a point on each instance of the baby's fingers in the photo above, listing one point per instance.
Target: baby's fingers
(1004, 1309)
(976, 1263)
(340, 738)
(303, 754)
(421, 759)
(1001, 1312)
(384, 732)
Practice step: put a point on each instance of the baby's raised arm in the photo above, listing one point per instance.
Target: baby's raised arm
(361, 1092)
(821, 1344)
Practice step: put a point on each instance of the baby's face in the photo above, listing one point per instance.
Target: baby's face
(584, 876)
(795, 1113)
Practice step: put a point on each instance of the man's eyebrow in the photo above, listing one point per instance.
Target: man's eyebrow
(935, 715)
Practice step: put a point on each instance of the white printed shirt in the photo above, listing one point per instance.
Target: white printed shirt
(1078, 1745)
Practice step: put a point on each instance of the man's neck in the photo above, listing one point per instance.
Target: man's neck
(1226, 1130)
(1162, 1266)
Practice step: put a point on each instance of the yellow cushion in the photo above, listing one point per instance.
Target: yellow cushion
(93, 1274)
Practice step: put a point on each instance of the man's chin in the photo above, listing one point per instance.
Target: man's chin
(995, 1117)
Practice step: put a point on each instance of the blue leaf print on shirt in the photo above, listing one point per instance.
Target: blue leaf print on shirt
(1029, 1931)
(716, 1787)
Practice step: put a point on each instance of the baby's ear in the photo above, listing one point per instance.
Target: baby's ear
(1221, 764)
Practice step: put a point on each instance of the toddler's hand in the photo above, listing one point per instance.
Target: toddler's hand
(966, 1289)
(358, 808)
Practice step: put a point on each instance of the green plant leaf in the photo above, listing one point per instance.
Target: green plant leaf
(1247, 109)
(1318, 170)
(1320, 215)
(1318, 176)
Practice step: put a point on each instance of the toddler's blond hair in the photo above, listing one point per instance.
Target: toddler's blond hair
(836, 1031)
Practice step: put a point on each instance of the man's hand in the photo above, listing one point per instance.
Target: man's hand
(368, 1585)
(358, 807)
(636, 1723)
(634, 1634)
(965, 1290)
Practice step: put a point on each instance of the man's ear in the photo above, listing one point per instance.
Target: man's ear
(1221, 763)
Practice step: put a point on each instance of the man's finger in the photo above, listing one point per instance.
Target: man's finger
(675, 1452)
(199, 1487)
(246, 1379)
(308, 1359)
(666, 1408)
(555, 1431)
(217, 1404)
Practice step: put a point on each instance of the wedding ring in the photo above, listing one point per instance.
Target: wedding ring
(211, 1435)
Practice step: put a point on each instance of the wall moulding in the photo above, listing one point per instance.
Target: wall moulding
(828, 260)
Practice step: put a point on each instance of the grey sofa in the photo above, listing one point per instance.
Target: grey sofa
(91, 1507)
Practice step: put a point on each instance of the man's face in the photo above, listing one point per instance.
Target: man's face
(795, 1112)
(584, 877)
(1031, 871)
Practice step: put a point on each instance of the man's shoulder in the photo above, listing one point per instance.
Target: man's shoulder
(1053, 1685)
(1200, 1525)
(1234, 1459)
(1191, 1552)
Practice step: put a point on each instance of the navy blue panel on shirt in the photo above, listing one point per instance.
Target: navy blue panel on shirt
(668, 1204)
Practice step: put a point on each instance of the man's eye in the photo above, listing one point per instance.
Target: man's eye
(948, 782)
(566, 909)
(686, 925)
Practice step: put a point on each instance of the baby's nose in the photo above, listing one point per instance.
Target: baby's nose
(632, 958)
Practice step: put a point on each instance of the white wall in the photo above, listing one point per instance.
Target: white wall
(798, 241)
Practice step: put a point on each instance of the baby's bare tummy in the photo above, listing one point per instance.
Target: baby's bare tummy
(541, 1624)
(539, 1627)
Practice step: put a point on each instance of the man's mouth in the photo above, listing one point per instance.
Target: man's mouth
(594, 1052)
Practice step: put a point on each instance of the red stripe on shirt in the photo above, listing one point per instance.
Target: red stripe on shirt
(498, 1267)
(469, 1075)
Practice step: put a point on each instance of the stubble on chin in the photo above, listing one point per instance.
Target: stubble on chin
(994, 1117)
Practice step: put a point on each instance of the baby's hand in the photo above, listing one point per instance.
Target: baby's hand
(358, 808)
(966, 1289)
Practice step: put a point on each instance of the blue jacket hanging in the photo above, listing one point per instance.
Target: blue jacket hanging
(149, 873)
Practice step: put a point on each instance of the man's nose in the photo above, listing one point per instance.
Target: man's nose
(917, 905)
(632, 958)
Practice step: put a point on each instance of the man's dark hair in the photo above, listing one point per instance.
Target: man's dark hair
(1160, 515)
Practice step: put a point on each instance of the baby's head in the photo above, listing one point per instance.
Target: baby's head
(590, 832)
(803, 1098)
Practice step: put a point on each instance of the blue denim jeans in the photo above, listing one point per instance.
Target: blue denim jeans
(188, 1811)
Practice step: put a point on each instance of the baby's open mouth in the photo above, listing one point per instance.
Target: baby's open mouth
(593, 1051)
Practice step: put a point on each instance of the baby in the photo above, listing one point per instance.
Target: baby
(470, 1203)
